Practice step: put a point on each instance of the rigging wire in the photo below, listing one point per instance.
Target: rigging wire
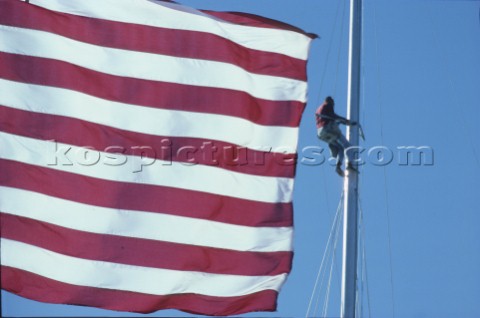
(362, 268)
(321, 271)
(324, 258)
(327, 294)
(364, 258)
(330, 45)
(359, 286)
(326, 192)
(451, 82)
(333, 236)
(339, 47)
(328, 248)
(330, 255)
(364, 276)
(387, 209)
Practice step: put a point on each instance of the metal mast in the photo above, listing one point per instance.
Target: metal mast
(349, 264)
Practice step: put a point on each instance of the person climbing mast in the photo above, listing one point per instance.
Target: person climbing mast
(327, 130)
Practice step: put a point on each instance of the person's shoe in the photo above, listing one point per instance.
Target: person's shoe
(339, 171)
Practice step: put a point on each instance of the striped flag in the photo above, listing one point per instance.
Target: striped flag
(147, 154)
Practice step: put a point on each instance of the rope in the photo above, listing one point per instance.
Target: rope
(387, 209)
(321, 267)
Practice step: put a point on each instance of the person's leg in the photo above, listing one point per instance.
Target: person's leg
(343, 141)
(333, 150)
(345, 144)
(350, 155)
(338, 152)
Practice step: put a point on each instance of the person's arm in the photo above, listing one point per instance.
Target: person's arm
(347, 121)
(338, 118)
(341, 119)
(329, 114)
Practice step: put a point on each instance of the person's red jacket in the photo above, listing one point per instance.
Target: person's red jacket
(325, 114)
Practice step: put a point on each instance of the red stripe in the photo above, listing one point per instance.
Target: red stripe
(135, 37)
(253, 20)
(142, 197)
(142, 252)
(162, 95)
(39, 288)
(80, 133)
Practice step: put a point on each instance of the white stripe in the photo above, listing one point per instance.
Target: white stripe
(149, 66)
(180, 17)
(145, 225)
(160, 122)
(155, 172)
(82, 272)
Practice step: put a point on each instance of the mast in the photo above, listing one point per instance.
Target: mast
(350, 223)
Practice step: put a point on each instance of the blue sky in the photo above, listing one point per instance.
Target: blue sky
(421, 66)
